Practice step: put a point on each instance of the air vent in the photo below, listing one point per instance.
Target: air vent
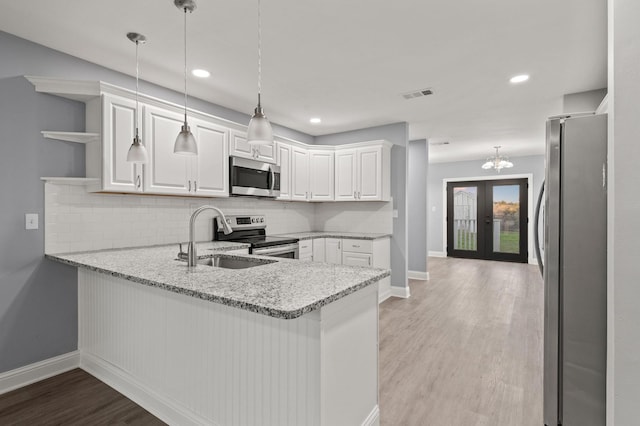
(439, 143)
(418, 93)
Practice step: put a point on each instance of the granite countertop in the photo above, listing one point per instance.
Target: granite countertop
(280, 288)
(333, 234)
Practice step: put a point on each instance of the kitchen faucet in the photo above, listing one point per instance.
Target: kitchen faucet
(192, 255)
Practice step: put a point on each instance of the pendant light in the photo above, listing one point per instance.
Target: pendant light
(498, 162)
(185, 142)
(137, 152)
(259, 131)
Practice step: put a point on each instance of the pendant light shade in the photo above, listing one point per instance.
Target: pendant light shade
(259, 131)
(137, 152)
(185, 142)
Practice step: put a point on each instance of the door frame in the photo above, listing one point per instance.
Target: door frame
(529, 176)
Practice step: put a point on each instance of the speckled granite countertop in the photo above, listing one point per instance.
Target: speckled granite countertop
(330, 234)
(284, 288)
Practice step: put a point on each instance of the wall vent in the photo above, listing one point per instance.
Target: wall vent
(417, 93)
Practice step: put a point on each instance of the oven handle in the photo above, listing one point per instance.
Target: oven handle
(276, 250)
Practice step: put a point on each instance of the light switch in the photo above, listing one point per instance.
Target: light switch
(31, 221)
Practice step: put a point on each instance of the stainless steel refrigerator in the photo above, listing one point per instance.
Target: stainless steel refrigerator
(575, 270)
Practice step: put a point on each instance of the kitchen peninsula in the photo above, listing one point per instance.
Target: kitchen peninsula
(283, 342)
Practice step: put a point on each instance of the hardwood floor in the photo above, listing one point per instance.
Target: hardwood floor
(466, 348)
(72, 398)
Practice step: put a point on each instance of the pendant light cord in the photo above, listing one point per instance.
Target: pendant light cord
(185, 66)
(137, 78)
(259, 54)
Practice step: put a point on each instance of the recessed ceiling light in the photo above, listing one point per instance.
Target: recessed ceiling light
(201, 73)
(315, 120)
(519, 78)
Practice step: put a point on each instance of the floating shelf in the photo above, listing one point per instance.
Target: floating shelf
(70, 180)
(79, 137)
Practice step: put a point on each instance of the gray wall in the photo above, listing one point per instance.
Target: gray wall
(583, 101)
(398, 134)
(461, 169)
(38, 301)
(417, 204)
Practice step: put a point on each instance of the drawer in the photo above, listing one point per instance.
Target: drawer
(356, 259)
(357, 246)
(305, 248)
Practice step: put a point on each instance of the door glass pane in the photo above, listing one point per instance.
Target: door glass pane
(465, 218)
(506, 219)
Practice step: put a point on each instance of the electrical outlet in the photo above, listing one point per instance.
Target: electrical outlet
(31, 221)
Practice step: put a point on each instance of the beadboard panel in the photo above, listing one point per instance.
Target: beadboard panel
(229, 366)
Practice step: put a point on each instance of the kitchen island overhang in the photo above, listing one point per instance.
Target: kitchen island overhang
(253, 356)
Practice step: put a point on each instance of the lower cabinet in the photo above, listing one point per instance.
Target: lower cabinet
(352, 252)
(305, 250)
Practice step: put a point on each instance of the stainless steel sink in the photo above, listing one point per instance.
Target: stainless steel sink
(230, 262)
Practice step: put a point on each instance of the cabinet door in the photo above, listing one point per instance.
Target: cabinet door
(318, 250)
(333, 250)
(210, 169)
(239, 147)
(284, 160)
(166, 172)
(299, 174)
(370, 173)
(321, 176)
(118, 124)
(346, 175)
(305, 250)
(356, 259)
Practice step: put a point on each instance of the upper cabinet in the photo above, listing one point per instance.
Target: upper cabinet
(299, 174)
(239, 147)
(210, 168)
(283, 151)
(363, 173)
(321, 175)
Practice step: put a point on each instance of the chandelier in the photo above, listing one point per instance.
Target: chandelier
(498, 162)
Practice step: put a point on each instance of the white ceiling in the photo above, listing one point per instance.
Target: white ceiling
(349, 61)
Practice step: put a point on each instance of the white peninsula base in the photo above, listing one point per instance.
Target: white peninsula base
(193, 362)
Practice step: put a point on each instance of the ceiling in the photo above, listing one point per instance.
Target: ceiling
(349, 62)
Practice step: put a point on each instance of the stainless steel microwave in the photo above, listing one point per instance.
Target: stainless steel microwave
(251, 177)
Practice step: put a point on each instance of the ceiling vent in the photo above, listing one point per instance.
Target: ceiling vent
(417, 93)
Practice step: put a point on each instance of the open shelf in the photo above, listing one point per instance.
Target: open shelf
(79, 137)
(70, 180)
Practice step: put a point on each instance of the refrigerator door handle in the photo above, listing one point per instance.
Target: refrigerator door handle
(536, 229)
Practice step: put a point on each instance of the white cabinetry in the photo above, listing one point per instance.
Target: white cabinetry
(284, 161)
(239, 147)
(107, 158)
(333, 250)
(299, 174)
(321, 176)
(305, 250)
(363, 173)
(167, 173)
(318, 249)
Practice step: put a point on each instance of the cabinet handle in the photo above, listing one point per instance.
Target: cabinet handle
(195, 186)
(369, 260)
(355, 194)
(356, 246)
(306, 195)
(138, 182)
(311, 195)
(189, 186)
(338, 245)
(359, 195)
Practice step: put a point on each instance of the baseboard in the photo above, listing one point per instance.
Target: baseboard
(38, 371)
(437, 254)
(165, 409)
(533, 261)
(384, 295)
(418, 275)
(373, 419)
(402, 292)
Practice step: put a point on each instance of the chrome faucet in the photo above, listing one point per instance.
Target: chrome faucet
(192, 256)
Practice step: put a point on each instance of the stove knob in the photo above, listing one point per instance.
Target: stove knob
(229, 221)
(253, 220)
(262, 219)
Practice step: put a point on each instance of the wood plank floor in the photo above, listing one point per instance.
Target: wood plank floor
(465, 349)
(72, 398)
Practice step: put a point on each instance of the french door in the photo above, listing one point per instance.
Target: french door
(488, 219)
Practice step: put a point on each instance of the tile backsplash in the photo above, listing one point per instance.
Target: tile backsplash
(76, 220)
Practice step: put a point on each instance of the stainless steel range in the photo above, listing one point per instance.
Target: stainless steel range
(251, 229)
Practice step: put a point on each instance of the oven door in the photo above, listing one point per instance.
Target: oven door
(287, 251)
(250, 177)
